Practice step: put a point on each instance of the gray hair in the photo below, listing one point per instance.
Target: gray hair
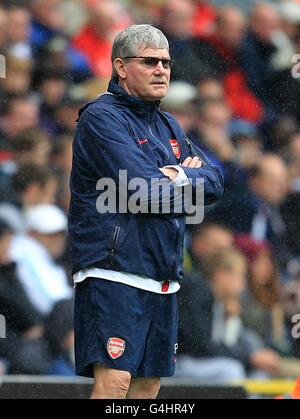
(128, 42)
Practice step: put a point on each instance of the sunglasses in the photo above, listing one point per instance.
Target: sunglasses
(153, 61)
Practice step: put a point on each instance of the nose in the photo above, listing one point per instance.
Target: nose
(160, 68)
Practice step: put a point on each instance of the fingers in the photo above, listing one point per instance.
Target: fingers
(192, 163)
(187, 162)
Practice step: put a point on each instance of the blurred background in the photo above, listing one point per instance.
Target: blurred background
(236, 92)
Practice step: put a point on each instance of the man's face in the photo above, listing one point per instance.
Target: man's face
(229, 284)
(212, 241)
(54, 243)
(271, 184)
(147, 82)
(23, 115)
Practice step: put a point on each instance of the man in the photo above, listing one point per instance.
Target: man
(258, 48)
(105, 18)
(128, 265)
(20, 114)
(207, 240)
(36, 254)
(32, 185)
(256, 209)
(23, 323)
(220, 347)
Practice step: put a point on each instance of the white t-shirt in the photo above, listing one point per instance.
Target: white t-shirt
(44, 281)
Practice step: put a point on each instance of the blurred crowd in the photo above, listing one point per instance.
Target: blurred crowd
(236, 92)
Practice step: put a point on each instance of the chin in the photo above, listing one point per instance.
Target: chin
(159, 97)
(159, 93)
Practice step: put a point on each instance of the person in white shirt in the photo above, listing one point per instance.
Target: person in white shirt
(35, 254)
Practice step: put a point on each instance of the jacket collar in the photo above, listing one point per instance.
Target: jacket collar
(140, 105)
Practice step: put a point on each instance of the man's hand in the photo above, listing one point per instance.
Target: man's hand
(169, 172)
(266, 360)
(192, 163)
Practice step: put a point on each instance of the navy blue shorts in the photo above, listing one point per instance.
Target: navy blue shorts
(125, 328)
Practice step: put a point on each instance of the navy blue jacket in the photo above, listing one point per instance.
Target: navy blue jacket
(122, 132)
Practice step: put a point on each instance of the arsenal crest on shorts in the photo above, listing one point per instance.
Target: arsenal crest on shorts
(115, 347)
(176, 148)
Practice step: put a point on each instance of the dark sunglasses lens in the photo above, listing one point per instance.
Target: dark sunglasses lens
(152, 62)
(166, 63)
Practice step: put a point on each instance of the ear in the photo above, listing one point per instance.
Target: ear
(120, 68)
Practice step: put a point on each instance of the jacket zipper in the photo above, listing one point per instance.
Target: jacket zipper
(114, 242)
(174, 254)
(161, 143)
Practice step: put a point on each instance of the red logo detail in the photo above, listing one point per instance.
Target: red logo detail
(176, 148)
(165, 286)
(141, 142)
(115, 347)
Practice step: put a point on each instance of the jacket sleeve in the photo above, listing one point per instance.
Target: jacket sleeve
(210, 173)
(104, 147)
(213, 182)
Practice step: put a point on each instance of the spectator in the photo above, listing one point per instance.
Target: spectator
(21, 113)
(32, 146)
(59, 335)
(58, 54)
(257, 49)
(248, 150)
(226, 40)
(262, 309)
(95, 39)
(214, 341)
(176, 20)
(284, 85)
(281, 132)
(23, 322)
(36, 255)
(208, 239)
(180, 101)
(213, 124)
(32, 186)
(52, 87)
(47, 21)
(211, 88)
(67, 114)
(256, 211)
(144, 11)
(19, 32)
(18, 76)
(204, 18)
